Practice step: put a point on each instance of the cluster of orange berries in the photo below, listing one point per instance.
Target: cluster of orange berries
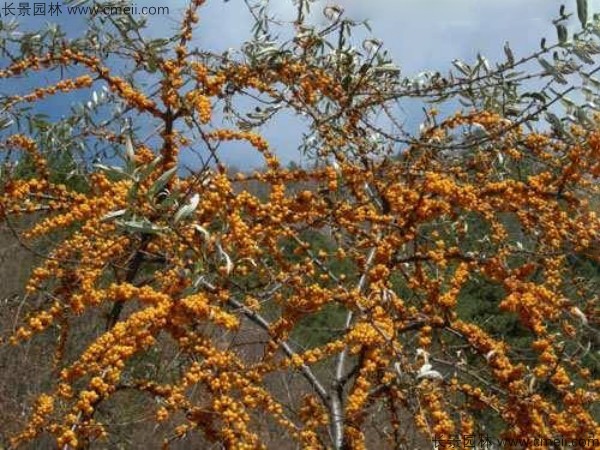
(385, 206)
(131, 95)
(62, 86)
(243, 76)
(315, 355)
(254, 139)
(432, 401)
(198, 306)
(449, 298)
(30, 62)
(313, 413)
(37, 323)
(29, 146)
(44, 407)
(201, 104)
(190, 18)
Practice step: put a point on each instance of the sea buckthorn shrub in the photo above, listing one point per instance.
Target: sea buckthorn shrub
(227, 278)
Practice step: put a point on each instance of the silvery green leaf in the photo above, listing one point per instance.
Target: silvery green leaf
(512, 110)
(483, 62)
(430, 374)
(144, 172)
(398, 369)
(593, 105)
(387, 68)
(582, 12)
(161, 181)
(5, 123)
(582, 117)
(465, 69)
(187, 209)
(580, 315)
(554, 121)
(226, 257)
(571, 117)
(592, 47)
(515, 74)
(268, 51)
(591, 80)
(333, 13)
(534, 95)
(510, 57)
(403, 377)
(114, 170)
(546, 65)
(477, 131)
(551, 70)
(194, 287)
(424, 353)
(588, 93)
(250, 260)
(532, 382)
(561, 31)
(568, 102)
(202, 231)
(582, 54)
(489, 355)
(140, 226)
(129, 151)
(113, 215)
(370, 45)
(426, 370)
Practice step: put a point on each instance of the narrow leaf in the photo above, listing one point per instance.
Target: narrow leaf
(161, 182)
(226, 257)
(510, 57)
(113, 215)
(582, 12)
(202, 231)
(140, 226)
(562, 33)
(129, 151)
(187, 209)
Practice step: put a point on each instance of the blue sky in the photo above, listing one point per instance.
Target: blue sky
(419, 34)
